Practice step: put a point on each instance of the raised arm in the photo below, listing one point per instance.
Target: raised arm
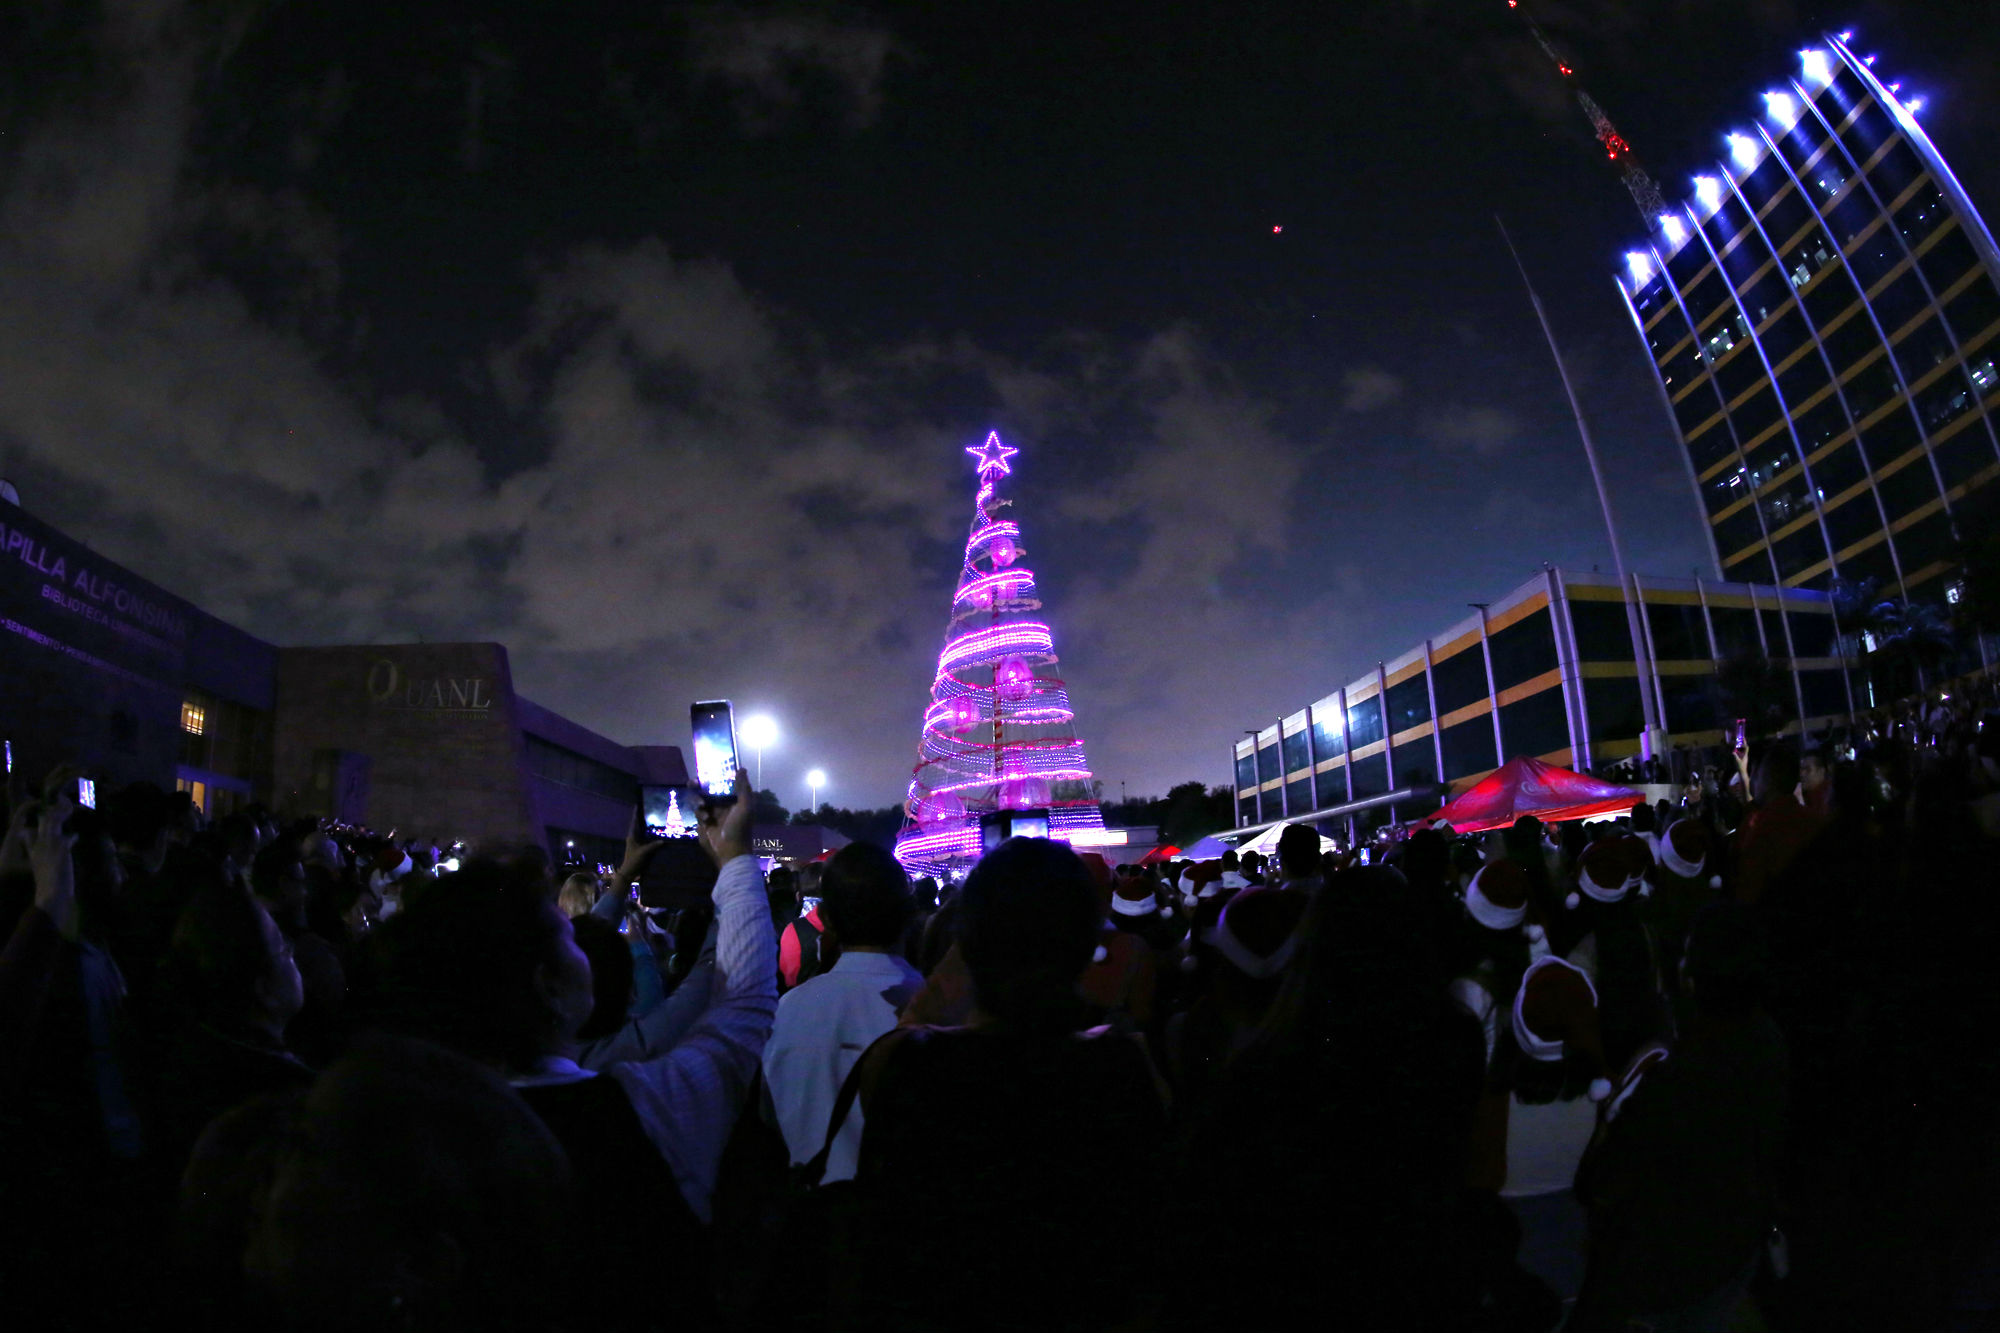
(688, 1099)
(656, 1031)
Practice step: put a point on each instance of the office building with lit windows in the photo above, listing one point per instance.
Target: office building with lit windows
(1824, 320)
(1549, 670)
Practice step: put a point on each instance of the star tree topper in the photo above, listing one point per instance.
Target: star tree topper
(992, 455)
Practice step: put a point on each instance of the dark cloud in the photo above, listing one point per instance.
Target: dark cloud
(1481, 430)
(521, 337)
(723, 505)
(1369, 387)
(773, 61)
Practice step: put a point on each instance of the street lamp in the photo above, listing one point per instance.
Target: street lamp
(758, 732)
(816, 779)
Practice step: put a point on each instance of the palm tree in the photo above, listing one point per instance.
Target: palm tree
(1898, 641)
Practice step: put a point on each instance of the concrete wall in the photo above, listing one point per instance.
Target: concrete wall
(440, 727)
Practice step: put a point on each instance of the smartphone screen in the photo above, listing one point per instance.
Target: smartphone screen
(1031, 826)
(669, 812)
(715, 748)
(86, 793)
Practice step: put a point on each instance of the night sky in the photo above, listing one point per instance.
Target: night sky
(645, 338)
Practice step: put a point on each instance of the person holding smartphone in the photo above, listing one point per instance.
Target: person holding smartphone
(487, 963)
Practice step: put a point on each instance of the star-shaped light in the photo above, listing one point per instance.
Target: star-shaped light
(992, 455)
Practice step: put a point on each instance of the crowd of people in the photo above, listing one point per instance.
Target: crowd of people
(1715, 1061)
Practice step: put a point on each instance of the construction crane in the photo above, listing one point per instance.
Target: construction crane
(1644, 190)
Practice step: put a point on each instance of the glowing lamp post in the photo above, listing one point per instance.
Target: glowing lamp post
(758, 732)
(816, 779)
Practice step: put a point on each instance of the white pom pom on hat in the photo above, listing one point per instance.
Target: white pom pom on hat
(1600, 1088)
(1574, 901)
(1715, 881)
(1100, 955)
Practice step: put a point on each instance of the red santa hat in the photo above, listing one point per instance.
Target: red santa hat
(1684, 851)
(1202, 882)
(1602, 875)
(1497, 898)
(1555, 1014)
(1638, 859)
(1256, 932)
(1133, 896)
(390, 864)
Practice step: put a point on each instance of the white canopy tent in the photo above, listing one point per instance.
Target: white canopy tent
(1266, 843)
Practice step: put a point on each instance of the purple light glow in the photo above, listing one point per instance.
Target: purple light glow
(1000, 740)
(989, 533)
(999, 641)
(990, 586)
(1013, 680)
(992, 455)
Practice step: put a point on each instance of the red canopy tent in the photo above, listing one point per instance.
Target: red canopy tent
(1524, 786)
(1158, 855)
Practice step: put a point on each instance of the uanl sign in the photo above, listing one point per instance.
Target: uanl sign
(389, 687)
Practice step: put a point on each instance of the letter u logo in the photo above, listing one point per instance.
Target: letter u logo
(382, 680)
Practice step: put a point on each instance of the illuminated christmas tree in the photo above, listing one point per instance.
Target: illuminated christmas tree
(999, 732)
(679, 824)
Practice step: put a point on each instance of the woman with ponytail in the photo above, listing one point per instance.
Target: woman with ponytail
(1021, 1138)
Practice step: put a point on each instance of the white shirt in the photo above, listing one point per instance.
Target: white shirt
(823, 1026)
(687, 1096)
(1544, 1144)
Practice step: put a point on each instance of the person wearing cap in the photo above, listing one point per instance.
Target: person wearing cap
(1118, 984)
(1136, 908)
(1324, 1180)
(1685, 879)
(1245, 945)
(1555, 1074)
(1494, 945)
(1616, 951)
(1681, 1182)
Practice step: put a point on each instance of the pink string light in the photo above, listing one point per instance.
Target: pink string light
(996, 732)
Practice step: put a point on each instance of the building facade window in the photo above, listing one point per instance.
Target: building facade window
(1409, 705)
(1537, 725)
(1468, 748)
(1364, 722)
(1330, 788)
(555, 763)
(1523, 650)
